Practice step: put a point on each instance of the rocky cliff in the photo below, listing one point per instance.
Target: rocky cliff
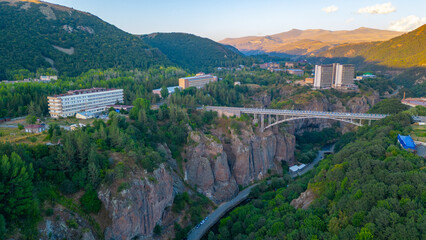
(137, 209)
(218, 163)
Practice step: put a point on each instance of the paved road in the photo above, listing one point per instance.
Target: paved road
(214, 217)
(344, 115)
(320, 156)
(8, 126)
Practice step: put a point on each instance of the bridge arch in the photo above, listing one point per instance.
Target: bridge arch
(310, 117)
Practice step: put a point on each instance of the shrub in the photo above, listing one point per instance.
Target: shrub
(68, 187)
(90, 202)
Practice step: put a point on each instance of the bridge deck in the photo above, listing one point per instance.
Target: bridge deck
(300, 113)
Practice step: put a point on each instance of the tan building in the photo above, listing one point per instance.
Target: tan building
(92, 100)
(198, 81)
(309, 80)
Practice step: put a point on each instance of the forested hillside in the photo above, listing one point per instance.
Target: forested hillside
(370, 189)
(41, 35)
(407, 50)
(195, 53)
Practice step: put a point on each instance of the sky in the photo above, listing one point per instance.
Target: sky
(219, 19)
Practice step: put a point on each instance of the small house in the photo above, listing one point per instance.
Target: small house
(35, 128)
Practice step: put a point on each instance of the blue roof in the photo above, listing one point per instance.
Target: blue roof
(406, 142)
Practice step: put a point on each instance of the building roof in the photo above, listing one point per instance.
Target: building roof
(85, 91)
(198, 77)
(295, 70)
(34, 126)
(406, 142)
(170, 89)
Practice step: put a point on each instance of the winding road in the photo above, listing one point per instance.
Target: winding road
(214, 217)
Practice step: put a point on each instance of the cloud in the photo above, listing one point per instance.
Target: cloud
(407, 23)
(330, 9)
(383, 8)
(349, 20)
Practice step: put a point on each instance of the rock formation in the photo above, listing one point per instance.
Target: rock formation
(217, 166)
(135, 211)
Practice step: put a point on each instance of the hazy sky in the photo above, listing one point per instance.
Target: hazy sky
(220, 19)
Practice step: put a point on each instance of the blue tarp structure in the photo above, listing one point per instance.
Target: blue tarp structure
(406, 142)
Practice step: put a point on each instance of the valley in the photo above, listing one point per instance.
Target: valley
(306, 134)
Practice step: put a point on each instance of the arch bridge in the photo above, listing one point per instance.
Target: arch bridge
(277, 116)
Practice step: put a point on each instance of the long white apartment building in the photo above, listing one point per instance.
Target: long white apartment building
(92, 100)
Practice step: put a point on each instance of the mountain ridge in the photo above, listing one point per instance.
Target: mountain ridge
(287, 42)
(407, 50)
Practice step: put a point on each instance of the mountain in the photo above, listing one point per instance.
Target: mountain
(407, 50)
(307, 42)
(36, 34)
(193, 52)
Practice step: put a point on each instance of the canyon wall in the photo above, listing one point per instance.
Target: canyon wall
(218, 163)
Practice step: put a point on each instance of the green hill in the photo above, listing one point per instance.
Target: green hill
(41, 35)
(193, 52)
(407, 50)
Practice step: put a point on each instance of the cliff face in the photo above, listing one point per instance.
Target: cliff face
(217, 164)
(136, 210)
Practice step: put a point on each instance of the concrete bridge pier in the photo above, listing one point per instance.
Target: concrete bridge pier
(262, 122)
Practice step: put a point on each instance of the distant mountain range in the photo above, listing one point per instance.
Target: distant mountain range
(306, 42)
(407, 50)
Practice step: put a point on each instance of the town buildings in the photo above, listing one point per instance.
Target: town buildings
(170, 89)
(92, 100)
(413, 102)
(48, 78)
(365, 76)
(334, 75)
(289, 64)
(297, 72)
(198, 81)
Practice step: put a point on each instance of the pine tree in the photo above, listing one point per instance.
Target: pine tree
(16, 197)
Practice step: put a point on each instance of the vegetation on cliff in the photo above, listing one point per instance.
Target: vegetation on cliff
(403, 51)
(370, 189)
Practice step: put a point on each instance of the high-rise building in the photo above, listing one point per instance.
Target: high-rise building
(198, 81)
(92, 100)
(344, 75)
(333, 75)
(324, 75)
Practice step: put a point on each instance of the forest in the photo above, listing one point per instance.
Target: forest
(369, 189)
(33, 177)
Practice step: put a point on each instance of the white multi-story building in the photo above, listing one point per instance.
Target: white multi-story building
(334, 75)
(344, 75)
(92, 100)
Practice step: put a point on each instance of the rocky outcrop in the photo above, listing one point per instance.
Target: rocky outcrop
(362, 104)
(256, 154)
(217, 164)
(304, 200)
(208, 168)
(64, 224)
(136, 210)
